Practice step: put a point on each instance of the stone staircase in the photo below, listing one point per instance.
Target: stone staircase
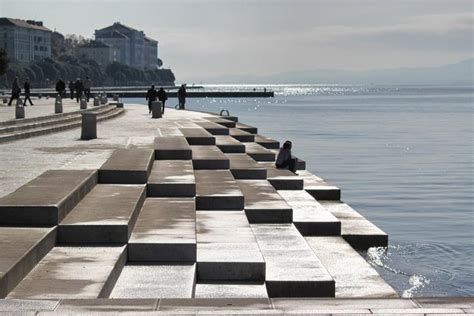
(189, 217)
(24, 128)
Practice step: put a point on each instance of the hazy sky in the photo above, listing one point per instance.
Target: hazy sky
(200, 40)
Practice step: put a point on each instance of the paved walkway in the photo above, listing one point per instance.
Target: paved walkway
(24, 160)
(41, 107)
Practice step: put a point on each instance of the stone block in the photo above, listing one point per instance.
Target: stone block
(127, 166)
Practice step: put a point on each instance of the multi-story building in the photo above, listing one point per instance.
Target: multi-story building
(135, 48)
(25, 41)
(102, 53)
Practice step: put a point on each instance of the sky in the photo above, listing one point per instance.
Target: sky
(208, 39)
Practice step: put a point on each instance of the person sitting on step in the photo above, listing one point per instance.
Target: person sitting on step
(284, 159)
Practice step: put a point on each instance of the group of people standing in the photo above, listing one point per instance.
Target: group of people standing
(76, 88)
(160, 95)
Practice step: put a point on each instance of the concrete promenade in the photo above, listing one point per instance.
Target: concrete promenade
(162, 216)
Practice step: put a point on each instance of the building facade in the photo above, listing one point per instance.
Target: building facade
(136, 50)
(102, 53)
(25, 41)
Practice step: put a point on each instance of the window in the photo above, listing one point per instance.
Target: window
(36, 47)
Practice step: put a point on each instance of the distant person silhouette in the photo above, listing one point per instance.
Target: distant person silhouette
(15, 91)
(87, 88)
(27, 88)
(162, 96)
(71, 89)
(182, 97)
(151, 95)
(60, 87)
(284, 159)
(79, 87)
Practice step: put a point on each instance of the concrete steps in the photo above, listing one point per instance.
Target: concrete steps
(217, 190)
(198, 136)
(165, 231)
(209, 157)
(21, 248)
(241, 136)
(246, 128)
(259, 153)
(221, 121)
(227, 249)
(267, 142)
(127, 166)
(73, 272)
(318, 188)
(155, 281)
(54, 126)
(172, 148)
(282, 179)
(213, 128)
(47, 199)
(231, 290)
(105, 216)
(310, 217)
(243, 167)
(355, 228)
(354, 276)
(171, 178)
(292, 268)
(263, 204)
(228, 144)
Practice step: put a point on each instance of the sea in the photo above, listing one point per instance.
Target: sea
(403, 158)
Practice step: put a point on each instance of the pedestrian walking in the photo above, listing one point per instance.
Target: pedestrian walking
(27, 87)
(60, 87)
(15, 91)
(150, 97)
(79, 88)
(182, 96)
(162, 96)
(87, 88)
(71, 89)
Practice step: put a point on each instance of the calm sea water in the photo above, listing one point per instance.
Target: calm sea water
(403, 157)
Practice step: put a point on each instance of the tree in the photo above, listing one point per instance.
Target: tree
(3, 61)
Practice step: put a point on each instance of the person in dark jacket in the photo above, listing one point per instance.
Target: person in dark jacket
(15, 91)
(27, 88)
(162, 96)
(60, 87)
(284, 159)
(87, 88)
(151, 96)
(79, 87)
(182, 96)
(71, 89)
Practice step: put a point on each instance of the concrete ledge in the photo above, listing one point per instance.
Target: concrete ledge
(165, 231)
(263, 204)
(221, 121)
(241, 136)
(356, 229)
(106, 215)
(127, 166)
(318, 188)
(172, 148)
(213, 128)
(47, 199)
(198, 136)
(217, 190)
(244, 167)
(21, 249)
(172, 178)
(282, 179)
(209, 157)
(228, 144)
(247, 128)
(259, 153)
(267, 142)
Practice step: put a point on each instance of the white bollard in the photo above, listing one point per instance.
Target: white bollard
(58, 105)
(83, 102)
(19, 109)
